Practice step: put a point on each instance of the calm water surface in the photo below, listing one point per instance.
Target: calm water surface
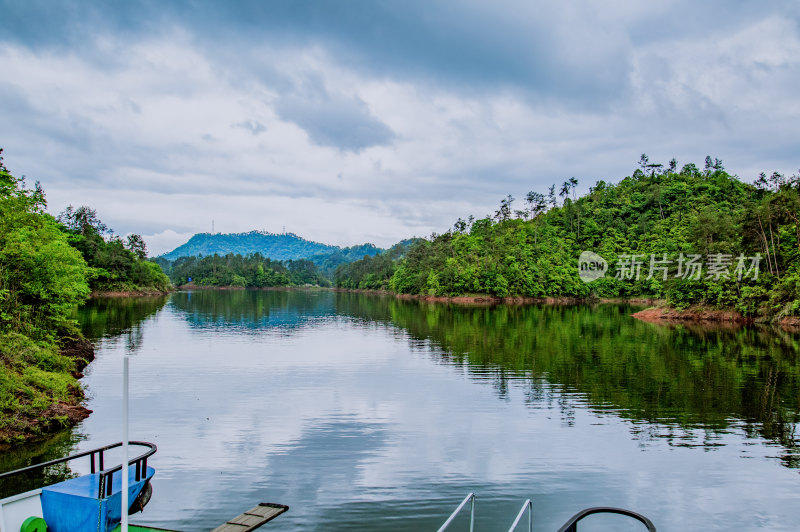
(365, 412)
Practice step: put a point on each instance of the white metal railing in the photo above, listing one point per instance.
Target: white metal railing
(469, 497)
(569, 526)
(527, 505)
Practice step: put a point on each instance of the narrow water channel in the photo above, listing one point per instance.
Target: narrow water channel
(367, 412)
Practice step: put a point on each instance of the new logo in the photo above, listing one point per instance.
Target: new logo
(591, 266)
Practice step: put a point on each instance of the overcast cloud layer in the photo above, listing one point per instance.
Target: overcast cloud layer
(359, 121)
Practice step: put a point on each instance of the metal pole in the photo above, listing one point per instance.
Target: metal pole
(527, 505)
(455, 512)
(472, 515)
(530, 515)
(124, 471)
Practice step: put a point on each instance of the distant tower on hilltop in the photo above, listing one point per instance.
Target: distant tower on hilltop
(212, 227)
(284, 229)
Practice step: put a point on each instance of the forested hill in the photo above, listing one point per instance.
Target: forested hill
(48, 266)
(285, 246)
(686, 235)
(257, 271)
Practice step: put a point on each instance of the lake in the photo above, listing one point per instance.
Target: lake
(370, 412)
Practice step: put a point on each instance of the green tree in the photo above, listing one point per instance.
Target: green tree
(41, 275)
(136, 244)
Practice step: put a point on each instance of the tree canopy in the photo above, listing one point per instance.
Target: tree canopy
(47, 267)
(657, 217)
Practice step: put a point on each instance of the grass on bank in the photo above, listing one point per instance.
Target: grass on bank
(48, 266)
(33, 377)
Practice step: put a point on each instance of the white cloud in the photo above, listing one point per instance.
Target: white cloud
(161, 136)
(729, 93)
(164, 242)
(747, 71)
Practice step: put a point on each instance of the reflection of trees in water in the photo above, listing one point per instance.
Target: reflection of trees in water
(678, 380)
(59, 446)
(112, 316)
(134, 337)
(683, 383)
(98, 318)
(253, 309)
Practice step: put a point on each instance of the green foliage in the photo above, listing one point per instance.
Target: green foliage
(46, 269)
(250, 271)
(114, 316)
(33, 376)
(372, 272)
(658, 210)
(286, 248)
(114, 265)
(42, 278)
(327, 263)
(41, 275)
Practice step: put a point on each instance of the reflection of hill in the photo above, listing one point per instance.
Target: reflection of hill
(691, 377)
(111, 316)
(58, 446)
(253, 309)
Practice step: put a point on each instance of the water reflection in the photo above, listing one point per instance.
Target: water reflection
(112, 316)
(115, 319)
(365, 412)
(689, 377)
(54, 447)
(679, 379)
(254, 309)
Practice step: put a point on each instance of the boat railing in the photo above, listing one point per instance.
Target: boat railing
(527, 505)
(572, 524)
(470, 497)
(569, 526)
(97, 464)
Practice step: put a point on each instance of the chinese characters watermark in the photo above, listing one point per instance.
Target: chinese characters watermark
(716, 266)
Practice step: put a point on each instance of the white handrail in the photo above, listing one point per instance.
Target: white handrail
(125, 468)
(460, 506)
(527, 505)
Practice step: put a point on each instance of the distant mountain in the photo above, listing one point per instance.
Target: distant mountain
(328, 262)
(284, 246)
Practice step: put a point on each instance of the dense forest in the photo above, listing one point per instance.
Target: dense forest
(255, 270)
(327, 263)
(41, 278)
(252, 271)
(688, 236)
(114, 265)
(373, 273)
(258, 270)
(47, 267)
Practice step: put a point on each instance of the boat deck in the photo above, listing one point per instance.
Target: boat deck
(253, 518)
(138, 528)
(249, 520)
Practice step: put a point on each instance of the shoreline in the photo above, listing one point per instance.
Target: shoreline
(62, 414)
(485, 299)
(192, 286)
(128, 293)
(657, 312)
(520, 300)
(691, 314)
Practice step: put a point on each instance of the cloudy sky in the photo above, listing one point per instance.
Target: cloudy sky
(371, 121)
